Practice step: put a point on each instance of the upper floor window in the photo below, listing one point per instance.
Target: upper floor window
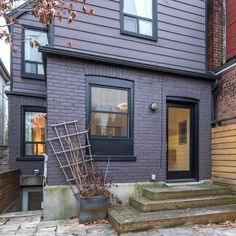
(33, 63)
(139, 18)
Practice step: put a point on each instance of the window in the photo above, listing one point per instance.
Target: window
(34, 132)
(33, 63)
(139, 18)
(110, 117)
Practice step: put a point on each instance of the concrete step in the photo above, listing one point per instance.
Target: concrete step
(127, 219)
(147, 205)
(164, 193)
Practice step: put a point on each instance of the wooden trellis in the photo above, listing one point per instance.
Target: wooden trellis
(72, 150)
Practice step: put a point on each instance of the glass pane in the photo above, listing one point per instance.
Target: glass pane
(104, 124)
(145, 27)
(130, 24)
(178, 139)
(41, 149)
(106, 99)
(30, 68)
(35, 126)
(32, 54)
(40, 69)
(30, 149)
(141, 8)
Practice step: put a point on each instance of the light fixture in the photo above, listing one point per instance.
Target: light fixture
(153, 106)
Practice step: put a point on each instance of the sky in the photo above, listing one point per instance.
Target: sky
(4, 50)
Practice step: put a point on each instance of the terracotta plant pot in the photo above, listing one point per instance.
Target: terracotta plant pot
(92, 209)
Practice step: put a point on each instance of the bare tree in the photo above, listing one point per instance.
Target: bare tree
(45, 10)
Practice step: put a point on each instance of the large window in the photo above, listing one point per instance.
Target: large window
(138, 18)
(34, 131)
(110, 117)
(33, 63)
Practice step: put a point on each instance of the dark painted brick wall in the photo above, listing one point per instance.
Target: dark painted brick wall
(66, 102)
(15, 132)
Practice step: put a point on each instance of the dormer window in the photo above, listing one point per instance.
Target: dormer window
(138, 18)
(32, 61)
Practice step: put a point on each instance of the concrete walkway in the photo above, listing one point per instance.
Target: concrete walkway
(30, 224)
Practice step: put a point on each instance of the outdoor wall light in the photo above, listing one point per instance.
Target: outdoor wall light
(153, 106)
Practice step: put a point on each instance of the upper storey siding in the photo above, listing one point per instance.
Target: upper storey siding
(230, 29)
(180, 35)
(20, 84)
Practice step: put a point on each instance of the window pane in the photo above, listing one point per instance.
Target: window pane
(104, 124)
(32, 54)
(41, 149)
(130, 24)
(106, 99)
(145, 27)
(35, 126)
(141, 8)
(30, 68)
(30, 149)
(40, 69)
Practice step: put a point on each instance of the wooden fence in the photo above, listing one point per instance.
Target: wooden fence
(224, 154)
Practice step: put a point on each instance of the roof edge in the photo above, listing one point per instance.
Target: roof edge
(4, 72)
(93, 57)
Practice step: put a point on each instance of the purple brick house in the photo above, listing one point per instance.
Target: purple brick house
(135, 72)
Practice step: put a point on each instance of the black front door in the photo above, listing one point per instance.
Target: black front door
(181, 140)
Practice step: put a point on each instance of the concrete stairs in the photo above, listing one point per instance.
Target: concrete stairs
(173, 206)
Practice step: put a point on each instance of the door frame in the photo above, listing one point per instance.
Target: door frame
(194, 141)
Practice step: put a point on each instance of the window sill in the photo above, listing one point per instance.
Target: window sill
(141, 36)
(33, 76)
(30, 159)
(114, 158)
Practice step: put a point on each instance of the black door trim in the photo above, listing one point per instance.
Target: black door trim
(194, 145)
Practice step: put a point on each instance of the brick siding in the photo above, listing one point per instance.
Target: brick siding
(215, 34)
(225, 96)
(10, 189)
(66, 91)
(15, 133)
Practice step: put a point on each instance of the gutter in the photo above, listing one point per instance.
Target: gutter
(47, 50)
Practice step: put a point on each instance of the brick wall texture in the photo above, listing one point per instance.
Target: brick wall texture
(215, 34)
(66, 91)
(9, 189)
(15, 133)
(225, 96)
(225, 93)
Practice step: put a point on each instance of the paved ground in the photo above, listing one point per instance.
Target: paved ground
(30, 224)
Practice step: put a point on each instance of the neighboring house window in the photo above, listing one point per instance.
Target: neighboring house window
(33, 62)
(138, 18)
(34, 131)
(110, 117)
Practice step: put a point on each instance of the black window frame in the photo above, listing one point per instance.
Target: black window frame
(138, 35)
(114, 143)
(25, 74)
(24, 110)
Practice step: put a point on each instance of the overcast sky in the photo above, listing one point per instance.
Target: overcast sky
(4, 50)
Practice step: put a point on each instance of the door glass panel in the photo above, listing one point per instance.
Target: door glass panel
(178, 139)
